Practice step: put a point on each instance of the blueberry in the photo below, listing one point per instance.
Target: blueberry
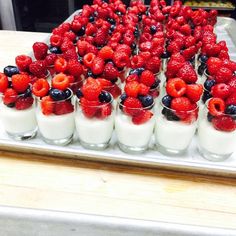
(156, 84)
(209, 117)
(139, 17)
(136, 33)
(114, 80)
(95, 13)
(147, 13)
(133, 46)
(111, 21)
(27, 93)
(10, 104)
(192, 61)
(79, 93)
(67, 93)
(169, 115)
(10, 71)
(206, 95)
(201, 69)
(146, 100)
(153, 29)
(55, 50)
(191, 24)
(123, 96)
(203, 58)
(209, 83)
(90, 74)
(166, 100)
(112, 28)
(137, 71)
(165, 55)
(104, 96)
(119, 13)
(80, 59)
(91, 19)
(231, 109)
(81, 32)
(57, 94)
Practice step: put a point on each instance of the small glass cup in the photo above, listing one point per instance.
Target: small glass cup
(77, 84)
(133, 137)
(174, 130)
(155, 89)
(18, 117)
(56, 124)
(94, 123)
(216, 135)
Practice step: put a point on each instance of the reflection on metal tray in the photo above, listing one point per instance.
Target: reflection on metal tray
(190, 162)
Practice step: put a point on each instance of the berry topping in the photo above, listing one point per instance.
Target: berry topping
(3, 82)
(60, 81)
(40, 50)
(57, 95)
(181, 104)
(40, 88)
(20, 82)
(224, 123)
(216, 106)
(47, 105)
(194, 92)
(146, 101)
(23, 103)
(104, 96)
(166, 100)
(9, 97)
(147, 78)
(176, 87)
(23, 62)
(89, 108)
(220, 91)
(60, 65)
(142, 118)
(10, 71)
(132, 106)
(91, 89)
(132, 89)
(63, 107)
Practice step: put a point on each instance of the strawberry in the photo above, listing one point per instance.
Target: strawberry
(38, 68)
(132, 89)
(187, 73)
(213, 65)
(121, 59)
(153, 64)
(40, 50)
(20, 82)
(9, 96)
(220, 90)
(224, 123)
(23, 103)
(47, 105)
(132, 106)
(98, 66)
(216, 106)
(63, 107)
(40, 88)
(223, 75)
(23, 62)
(3, 82)
(194, 92)
(106, 53)
(60, 81)
(147, 78)
(142, 118)
(176, 87)
(74, 68)
(91, 89)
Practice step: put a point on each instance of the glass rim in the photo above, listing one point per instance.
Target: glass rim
(137, 109)
(190, 111)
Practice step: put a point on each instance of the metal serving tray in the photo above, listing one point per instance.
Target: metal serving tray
(190, 162)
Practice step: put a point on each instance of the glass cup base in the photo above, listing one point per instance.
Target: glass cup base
(58, 142)
(131, 150)
(169, 151)
(23, 136)
(91, 146)
(212, 156)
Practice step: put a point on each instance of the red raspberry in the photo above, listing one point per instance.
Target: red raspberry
(212, 50)
(9, 96)
(145, 55)
(216, 106)
(74, 68)
(185, 29)
(82, 47)
(106, 53)
(101, 36)
(231, 100)
(176, 87)
(190, 41)
(121, 59)
(98, 66)
(213, 65)
(132, 106)
(137, 61)
(220, 91)
(194, 92)
(224, 123)
(223, 75)
(55, 40)
(40, 50)
(110, 72)
(104, 111)
(124, 48)
(133, 77)
(91, 89)
(173, 66)
(89, 108)
(132, 89)
(147, 78)
(104, 83)
(173, 47)
(47, 105)
(23, 62)
(90, 29)
(232, 84)
(70, 36)
(153, 64)
(187, 73)
(60, 81)
(60, 64)
(145, 46)
(23, 103)
(3, 82)
(50, 59)
(38, 68)
(40, 88)
(181, 104)
(229, 64)
(143, 89)
(91, 48)
(70, 54)
(20, 82)
(67, 45)
(142, 118)
(189, 52)
(63, 107)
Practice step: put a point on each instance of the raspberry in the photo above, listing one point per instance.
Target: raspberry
(216, 106)
(187, 73)
(101, 36)
(110, 72)
(176, 87)
(91, 89)
(142, 118)
(70, 35)
(181, 104)
(50, 59)
(89, 108)
(137, 61)
(23, 62)
(56, 40)
(91, 48)
(224, 123)
(194, 92)
(189, 52)
(63, 107)
(231, 100)
(67, 45)
(40, 88)
(38, 68)
(104, 111)
(9, 96)
(60, 65)
(74, 68)
(212, 50)
(124, 48)
(88, 59)
(132, 106)
(153, 64)
(47, 105)
(82, 47)
(132, 89)
(223, 75)
(121, 59)
(23, 103)
(133, 77)
(40, 50)
(232, 84)
(70, 54)
(173, 66)
(106, 53)
(20, 82)
(60, 81)
(147, 78)
(185, 29)
(104, 83)
(213, 65)
(143, 89)
(220, 91)
(3, 82)
(98, 65)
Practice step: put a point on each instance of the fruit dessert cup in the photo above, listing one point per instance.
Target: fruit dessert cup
(134, 123)
(217, 130)
(94, 116)
(17, 107)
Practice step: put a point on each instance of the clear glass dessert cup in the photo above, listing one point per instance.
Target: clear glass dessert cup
(174, 130)
(216, 135)
(133, 137)
(94, 123)
(56, 121)
(18, 115)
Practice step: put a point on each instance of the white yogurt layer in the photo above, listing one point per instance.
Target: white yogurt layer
(18, 121)
(133, 135)
(174, 135)
(56, 127)
(94, 130)
(215, 141)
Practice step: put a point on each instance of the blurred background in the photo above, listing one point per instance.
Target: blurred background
(44, 15)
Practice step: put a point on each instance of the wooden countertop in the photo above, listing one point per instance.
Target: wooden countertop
(42, 182)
